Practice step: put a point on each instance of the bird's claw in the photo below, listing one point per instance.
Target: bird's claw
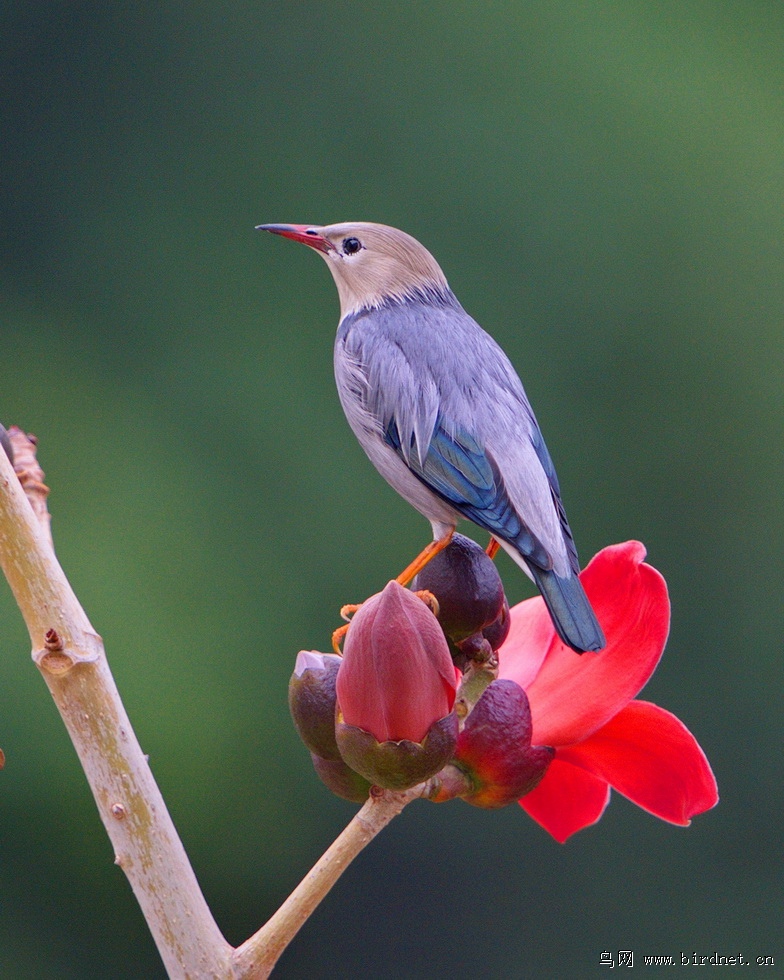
(429, 600)
(347, 611)
(338, 636)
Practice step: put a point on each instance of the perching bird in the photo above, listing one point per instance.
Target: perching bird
(441, 412)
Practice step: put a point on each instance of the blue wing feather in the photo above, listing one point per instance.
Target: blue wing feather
(462, 473)
(549, 468)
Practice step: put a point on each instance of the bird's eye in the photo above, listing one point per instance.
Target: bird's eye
(351, 245)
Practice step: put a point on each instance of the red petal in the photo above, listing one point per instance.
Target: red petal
(572, 696)
(566, 800)
(651, 757)
(531, 635)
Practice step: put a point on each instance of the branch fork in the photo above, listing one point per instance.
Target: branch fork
(70, 656)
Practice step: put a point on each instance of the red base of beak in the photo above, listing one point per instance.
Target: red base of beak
(306, 234)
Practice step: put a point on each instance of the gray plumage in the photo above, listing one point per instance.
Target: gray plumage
(441, 413)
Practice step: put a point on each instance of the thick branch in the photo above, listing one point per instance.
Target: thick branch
(70, 656)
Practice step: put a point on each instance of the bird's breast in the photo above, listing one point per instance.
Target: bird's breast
(368, 414)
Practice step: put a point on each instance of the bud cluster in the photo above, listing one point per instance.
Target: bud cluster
(415, 696)
(472, 607)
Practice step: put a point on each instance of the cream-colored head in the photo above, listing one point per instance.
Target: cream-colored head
(370, 263)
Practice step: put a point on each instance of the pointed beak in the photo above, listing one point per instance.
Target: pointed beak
(300, 233)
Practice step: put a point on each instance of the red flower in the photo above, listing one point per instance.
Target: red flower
(582, 705)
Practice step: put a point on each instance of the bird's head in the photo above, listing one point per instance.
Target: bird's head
(370, 263)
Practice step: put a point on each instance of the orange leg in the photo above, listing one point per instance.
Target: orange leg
(423, 558)
(403, 578)
(492, 548)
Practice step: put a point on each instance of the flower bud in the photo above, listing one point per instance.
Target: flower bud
(467, 585)
(395, 688)
(480, 649)
(498, 630)
(494, 748)
(312, 701)
(398, 765)
(396, 676)
(341, 779)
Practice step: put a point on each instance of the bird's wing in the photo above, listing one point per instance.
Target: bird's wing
(537, 441)
(466, 476)
(442, 394)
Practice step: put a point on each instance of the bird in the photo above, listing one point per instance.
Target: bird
(441, 412)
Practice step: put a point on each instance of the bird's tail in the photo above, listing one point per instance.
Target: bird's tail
(571, 612)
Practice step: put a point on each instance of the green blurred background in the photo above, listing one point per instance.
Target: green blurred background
(602, 183)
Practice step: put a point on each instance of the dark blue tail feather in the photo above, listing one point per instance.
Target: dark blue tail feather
(572, 615)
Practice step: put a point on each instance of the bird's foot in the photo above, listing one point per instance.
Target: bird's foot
(347, 611)
(338, 636)
(429, 600)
